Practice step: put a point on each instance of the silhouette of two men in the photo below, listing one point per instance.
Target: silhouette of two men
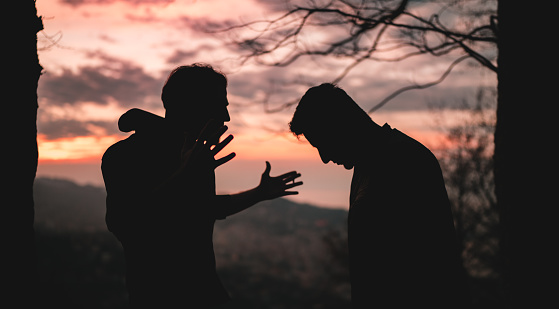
(162, 204)
(161, 197)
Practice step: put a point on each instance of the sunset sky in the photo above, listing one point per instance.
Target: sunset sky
(103, 57)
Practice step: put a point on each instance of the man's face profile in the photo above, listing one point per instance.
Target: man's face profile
(201, 106)
(331, 147)
(212, 104)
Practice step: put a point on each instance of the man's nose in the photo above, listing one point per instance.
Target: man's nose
(225, 111)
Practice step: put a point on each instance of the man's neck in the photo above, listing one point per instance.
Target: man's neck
(372, 142)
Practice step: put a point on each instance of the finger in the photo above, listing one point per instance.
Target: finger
(268, 169)
(212, 129)
(290, 193)
(291, 185)
(222, 144)
(198, 145)
(224, 160)
(291, 177)
(212, 137)
(187, 145)
(287, 175)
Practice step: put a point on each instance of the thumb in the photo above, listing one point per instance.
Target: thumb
(267, 170)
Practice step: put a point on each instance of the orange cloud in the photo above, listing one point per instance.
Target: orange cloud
(81, 148)
(248, 147)
(91, 148)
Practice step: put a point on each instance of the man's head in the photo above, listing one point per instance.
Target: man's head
(332, 122)
(194, 94)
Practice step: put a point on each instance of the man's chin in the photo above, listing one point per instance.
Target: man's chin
(348, 166)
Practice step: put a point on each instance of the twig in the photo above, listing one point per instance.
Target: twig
(423, 86)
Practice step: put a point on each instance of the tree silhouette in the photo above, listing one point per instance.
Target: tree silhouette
(19, 151)
(467, 164)
(523, 154)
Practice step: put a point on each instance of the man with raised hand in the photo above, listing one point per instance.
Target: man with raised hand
(161, 197)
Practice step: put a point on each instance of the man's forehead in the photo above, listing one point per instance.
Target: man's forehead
(216, 94)
(316, 137)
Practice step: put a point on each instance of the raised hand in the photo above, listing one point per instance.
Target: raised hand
(198, 159)
(273, 187)
(201, 156)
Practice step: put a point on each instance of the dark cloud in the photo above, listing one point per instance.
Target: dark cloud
(108, 39)
(182, 56)
(283, 86)
(114, 80)
(186, 56)
(60, 128)
(203, 26)
(283, 5)
(76, 3)
(146, 17)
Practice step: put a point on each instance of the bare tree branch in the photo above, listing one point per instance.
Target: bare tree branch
(380, 31)
(423, 86)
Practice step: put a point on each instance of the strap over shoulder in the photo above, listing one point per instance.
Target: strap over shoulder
(137, 119)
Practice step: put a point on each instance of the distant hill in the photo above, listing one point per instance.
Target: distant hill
(277, 253)
(64, 205)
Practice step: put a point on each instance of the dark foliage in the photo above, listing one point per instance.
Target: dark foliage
(270, 256)
(278, 254)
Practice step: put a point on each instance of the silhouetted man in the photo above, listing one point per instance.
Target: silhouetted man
(161, 198)
(402, 245)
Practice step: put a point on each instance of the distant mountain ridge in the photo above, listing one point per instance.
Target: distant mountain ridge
(64, 205)
(277, 254)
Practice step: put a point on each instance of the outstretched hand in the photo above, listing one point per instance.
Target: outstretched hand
(273, 187)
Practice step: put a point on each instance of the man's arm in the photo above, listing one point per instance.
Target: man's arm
(200, 159)
(269, 188)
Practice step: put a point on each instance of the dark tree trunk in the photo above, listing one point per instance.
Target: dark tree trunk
(21, 72)
(523, 162)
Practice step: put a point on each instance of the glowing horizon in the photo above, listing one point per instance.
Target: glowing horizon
(248, 146)
(101, 58)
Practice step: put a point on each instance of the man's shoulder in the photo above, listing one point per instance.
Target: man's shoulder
(120, 149)
(410, 145)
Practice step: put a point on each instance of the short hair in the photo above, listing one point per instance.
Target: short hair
(327, 105)
(187, 82)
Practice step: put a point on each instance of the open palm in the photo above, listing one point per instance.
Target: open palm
(273, 187)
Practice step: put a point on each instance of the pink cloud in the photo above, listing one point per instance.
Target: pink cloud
(76, 3)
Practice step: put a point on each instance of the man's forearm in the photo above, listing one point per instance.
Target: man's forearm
(227, 205)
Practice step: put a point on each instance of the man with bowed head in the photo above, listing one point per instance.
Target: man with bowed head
(161, 195)
(403, 251)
